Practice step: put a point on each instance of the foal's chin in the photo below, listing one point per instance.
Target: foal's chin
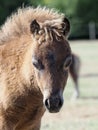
(56, 110)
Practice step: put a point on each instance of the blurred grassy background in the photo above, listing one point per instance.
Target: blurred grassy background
(81, 114)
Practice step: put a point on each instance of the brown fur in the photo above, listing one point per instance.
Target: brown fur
(74, 70)
(21, 86)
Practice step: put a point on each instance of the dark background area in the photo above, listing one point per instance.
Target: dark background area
(81, 13)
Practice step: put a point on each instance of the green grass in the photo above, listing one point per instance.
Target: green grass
(81, 114)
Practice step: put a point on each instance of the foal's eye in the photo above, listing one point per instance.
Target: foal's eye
(37, 64)
(67, 62)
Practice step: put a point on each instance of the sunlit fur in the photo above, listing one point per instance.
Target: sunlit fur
(18, 23)
(23, 88)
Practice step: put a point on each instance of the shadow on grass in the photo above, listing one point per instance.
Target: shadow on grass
(89, 75)
(89, 98)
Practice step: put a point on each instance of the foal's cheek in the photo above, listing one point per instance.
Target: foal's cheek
(65, 79)
(39, 80)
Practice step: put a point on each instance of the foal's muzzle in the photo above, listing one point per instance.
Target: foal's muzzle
(53, 103)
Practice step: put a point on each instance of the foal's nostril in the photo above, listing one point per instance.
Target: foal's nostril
(60, 103)
(47, 103)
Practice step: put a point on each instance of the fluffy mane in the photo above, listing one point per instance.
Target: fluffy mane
(19, 23)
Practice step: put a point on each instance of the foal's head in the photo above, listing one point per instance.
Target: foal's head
(51, 58)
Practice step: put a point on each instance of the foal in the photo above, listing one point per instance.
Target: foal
(34, 61)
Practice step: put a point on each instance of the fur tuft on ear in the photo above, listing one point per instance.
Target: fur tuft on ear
(66, 26)
(34, 27)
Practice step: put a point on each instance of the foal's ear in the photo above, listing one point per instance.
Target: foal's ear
(34, 27)
(66, 26)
